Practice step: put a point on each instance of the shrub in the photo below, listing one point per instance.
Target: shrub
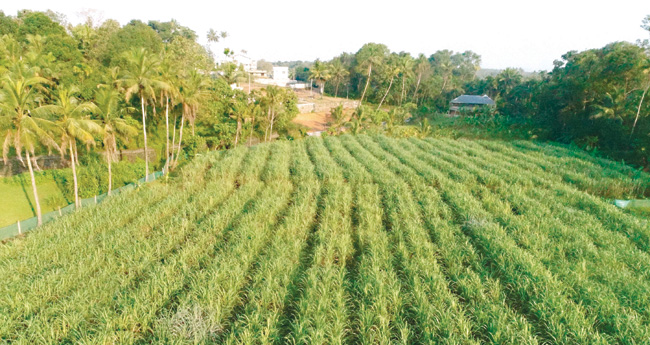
(193, 145)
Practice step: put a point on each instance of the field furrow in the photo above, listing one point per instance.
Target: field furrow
(437, 313)
(484, 301)
(565, 255)
(532, 290)
(345, 240)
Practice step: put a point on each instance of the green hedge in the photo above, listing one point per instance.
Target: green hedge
(92, 177)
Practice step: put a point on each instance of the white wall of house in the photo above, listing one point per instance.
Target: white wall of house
(280, 73)
(248, 63)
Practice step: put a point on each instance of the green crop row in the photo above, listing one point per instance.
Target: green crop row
(345, 240)
(564, 251)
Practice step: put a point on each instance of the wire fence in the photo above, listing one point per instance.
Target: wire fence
(640, 205)
(30, 224)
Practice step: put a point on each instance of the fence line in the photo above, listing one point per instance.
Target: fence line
(30, 224)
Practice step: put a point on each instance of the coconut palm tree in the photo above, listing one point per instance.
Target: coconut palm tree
(422, 70)
(424, 129)
(645, 89)
(371, 54)
(393, 70)
(239, 109)
(338, 115)
(272, 101)
(320, 73)
(168, 94)
(338, 73)
(508, 79)
(141, 79)
(114, 126)
(193, 88)
(255, 112)
(405, 63)
(359, 119)
(73, 119)
(24, 131)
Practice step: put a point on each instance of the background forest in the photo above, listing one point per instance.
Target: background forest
(78, 90)
(102, 87)
(596, 99)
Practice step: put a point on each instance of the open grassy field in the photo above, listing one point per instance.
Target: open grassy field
(345, 240)
(17, 200)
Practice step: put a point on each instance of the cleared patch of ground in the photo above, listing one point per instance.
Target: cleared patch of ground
(314, 121)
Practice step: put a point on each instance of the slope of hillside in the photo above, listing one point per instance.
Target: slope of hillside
(350, 239)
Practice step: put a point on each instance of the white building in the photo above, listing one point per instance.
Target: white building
(281, 74)
(248, 63)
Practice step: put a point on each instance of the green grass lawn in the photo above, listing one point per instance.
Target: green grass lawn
(17, 200)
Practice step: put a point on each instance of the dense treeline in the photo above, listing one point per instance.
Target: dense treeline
(379, 76)
(104, 86)
(596, 99)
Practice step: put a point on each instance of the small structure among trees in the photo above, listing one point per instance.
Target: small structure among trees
(469, 103)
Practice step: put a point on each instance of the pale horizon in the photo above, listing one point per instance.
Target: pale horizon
(505, 34)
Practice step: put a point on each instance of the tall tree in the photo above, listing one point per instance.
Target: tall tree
(392, 71)
(110, 113)
(74, 121)
(141, 79)
(338, 73)
(279, 105)
(168, 94)
(646, 72)
(443, 66)
(320, 72)
(422, 71)
(371, 54)
(239, 109)
(193, 88)
(405, 63)
(24, 132)
(272, 100)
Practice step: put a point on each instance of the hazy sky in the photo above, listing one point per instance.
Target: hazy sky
(525, 34)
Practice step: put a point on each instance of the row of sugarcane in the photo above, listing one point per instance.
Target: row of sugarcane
(600, 287)
(350, 239)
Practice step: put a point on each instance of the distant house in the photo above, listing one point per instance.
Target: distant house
(258, 73)
(467, 103)
(294, 84)
(280, 77)
(281, 73)
(250, 65)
